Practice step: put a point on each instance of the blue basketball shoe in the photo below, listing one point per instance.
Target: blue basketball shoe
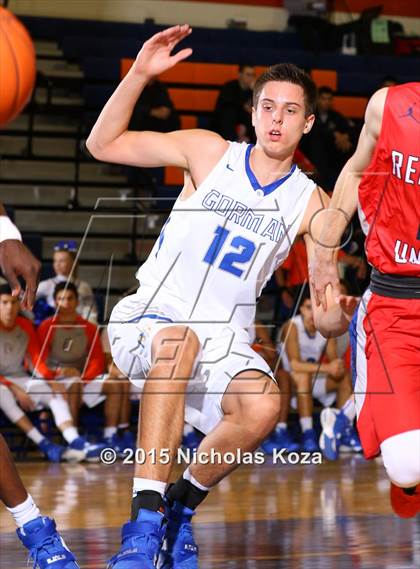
(179, 550)
(309, 441)
(128, 440)
(116, 443)
(279, 439)
(92, 451)
(53, 452)
(350, 441)
(46, 547)
(333, 425)
(141, 542)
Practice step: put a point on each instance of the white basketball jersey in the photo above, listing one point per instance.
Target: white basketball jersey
(220, 246)
(311, 347)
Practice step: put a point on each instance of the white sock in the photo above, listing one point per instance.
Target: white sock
(188, 476)
(25, 512)
(188, 429)
(349, 409)
(60, 410)
(282, 426)
(70, 433)
(140, 484)
(109, 432)
(35, 436)
(306, 423)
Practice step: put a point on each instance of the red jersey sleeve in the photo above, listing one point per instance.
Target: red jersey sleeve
(4, 381)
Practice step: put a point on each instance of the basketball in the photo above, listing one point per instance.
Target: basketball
(17, 66)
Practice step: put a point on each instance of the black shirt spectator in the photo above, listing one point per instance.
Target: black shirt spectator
(154, 110)
(232, 115)
(329, 144)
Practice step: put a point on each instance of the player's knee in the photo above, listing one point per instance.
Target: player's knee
(405, 474)
(176, 342)
(401, 458)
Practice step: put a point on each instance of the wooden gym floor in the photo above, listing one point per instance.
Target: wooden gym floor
(329, 516)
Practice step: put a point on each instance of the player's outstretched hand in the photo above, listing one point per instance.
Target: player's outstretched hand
(155, 55)
(323, 272)
(17, 261)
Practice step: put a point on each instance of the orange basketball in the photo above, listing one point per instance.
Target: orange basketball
(17, 66)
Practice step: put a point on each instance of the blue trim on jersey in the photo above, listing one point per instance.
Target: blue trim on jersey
(154, 316)
(255, 183)
(353, 345)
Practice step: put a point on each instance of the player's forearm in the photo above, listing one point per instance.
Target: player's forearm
(341, 209)
(116, 114)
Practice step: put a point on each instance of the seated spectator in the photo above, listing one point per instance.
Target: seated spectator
(154, 110)
(329, 144)
(301, 348)
(63, 264)
(232, 115)
(23, 387)
(125, 438)
(73, 345)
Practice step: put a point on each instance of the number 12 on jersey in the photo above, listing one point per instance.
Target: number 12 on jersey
(243, 254)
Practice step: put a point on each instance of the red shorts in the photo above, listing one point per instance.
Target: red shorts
(385, 338)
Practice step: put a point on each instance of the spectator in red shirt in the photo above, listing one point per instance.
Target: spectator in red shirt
(26, 385)
(73, 344)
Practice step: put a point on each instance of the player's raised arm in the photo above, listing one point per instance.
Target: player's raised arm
(110, 141)
(323, 267)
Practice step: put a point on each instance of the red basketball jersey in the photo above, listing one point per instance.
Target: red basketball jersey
(389, 193)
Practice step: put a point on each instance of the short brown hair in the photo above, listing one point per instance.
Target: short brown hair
(66, 286)
(291, 74)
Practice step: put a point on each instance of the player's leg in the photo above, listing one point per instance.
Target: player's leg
(303, 386)
(250, 408)
(385, 341)
(173, 353)
(401, 460)
(12, 491)
(37, 533)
